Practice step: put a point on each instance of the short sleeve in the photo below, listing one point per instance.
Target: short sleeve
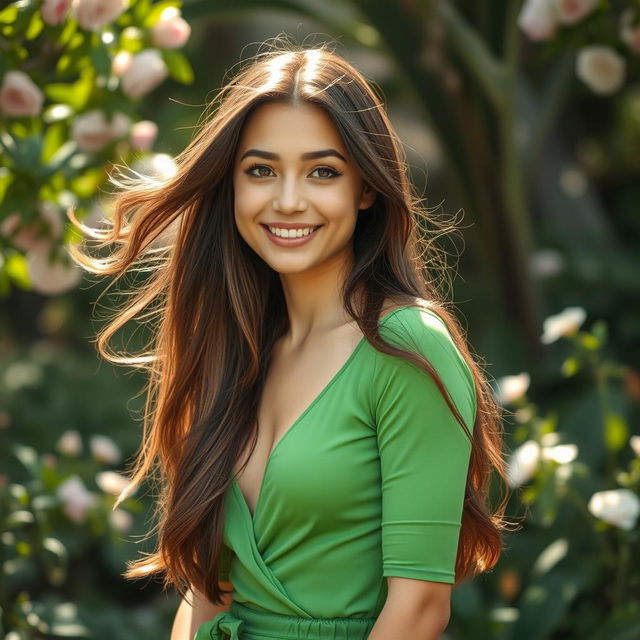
(424, 452)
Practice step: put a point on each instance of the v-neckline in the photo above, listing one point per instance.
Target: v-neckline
(298, 420)
(294, 424)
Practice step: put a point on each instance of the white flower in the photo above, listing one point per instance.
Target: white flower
(94, 14)
(546, 263)
(523, 463)
(75, 498)
(112, 482)
(512, 388)
(172, 31)
(601, 68)
(20, 96)
(634, 441)
(572, 11)
(537, 19)
(619, 507)
(565, 323)
(143, 135)
(630, 33)
(105, 449)
(146, 71)
(70, 443)
(91, 131)
(54, 11)
(121, 520)
(51, 277)
(561, 453)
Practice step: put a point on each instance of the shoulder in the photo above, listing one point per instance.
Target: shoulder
(417, 328)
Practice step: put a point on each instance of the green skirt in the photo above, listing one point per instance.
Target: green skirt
(244, 623)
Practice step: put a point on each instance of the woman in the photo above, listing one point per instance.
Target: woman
(322, 434)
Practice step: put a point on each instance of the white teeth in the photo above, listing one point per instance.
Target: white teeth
(291, 233)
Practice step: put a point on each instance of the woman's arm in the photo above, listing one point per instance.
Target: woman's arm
(417, 609)
(189, 618)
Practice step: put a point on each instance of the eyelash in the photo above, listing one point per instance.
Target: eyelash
(334, 172)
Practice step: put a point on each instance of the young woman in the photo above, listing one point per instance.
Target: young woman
(322, 435)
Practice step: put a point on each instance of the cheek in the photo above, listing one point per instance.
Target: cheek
(336, 202)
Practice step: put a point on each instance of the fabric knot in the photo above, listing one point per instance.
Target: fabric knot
(225, 626)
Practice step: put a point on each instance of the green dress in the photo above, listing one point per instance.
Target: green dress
(368, 482)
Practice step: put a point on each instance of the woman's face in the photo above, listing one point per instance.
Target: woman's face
(292, 170)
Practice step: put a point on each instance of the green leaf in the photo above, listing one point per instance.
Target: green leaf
(9, 14)
(76, 95)
(55, 561)
(54, 138)
(589, 341)
(19, 519)
(35, 26)
(154, 15)
(179, 67)
(141, 9)
(29, 458)
(101, 60)
(545, 602)
(570, 367)
(616, 432)
(599, 330)
(16, 269)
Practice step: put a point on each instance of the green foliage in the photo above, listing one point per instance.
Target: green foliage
(72, 67)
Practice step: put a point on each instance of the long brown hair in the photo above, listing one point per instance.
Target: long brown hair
(216, 309)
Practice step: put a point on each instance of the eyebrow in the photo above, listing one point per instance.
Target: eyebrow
(310, 155)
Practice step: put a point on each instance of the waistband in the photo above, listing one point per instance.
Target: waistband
(244, 623)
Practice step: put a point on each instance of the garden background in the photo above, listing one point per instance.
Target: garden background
(521, 120)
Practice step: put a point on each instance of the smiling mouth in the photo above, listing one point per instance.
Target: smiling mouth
(290, 234)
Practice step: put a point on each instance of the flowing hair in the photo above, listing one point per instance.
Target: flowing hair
(215, 310)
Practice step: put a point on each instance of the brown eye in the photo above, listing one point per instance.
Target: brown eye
(250, 170)
(332, 172)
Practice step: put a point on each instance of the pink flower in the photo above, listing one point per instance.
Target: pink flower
(146, 72)
(91, 131)
(70, 443)
(143, 135)
(19, 95)
(171, 31)
(121, 62)
(538, 19)
(572, 11)
(76, 500)
(94, 14)
(50, 277)
(121, 520)
(104, 449)
(630, 32)
(54, 11)
(27, 237)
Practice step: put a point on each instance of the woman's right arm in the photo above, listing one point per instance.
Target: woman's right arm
(189, 618)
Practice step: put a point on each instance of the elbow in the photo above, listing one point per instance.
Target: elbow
(433, 620)
(425, 605)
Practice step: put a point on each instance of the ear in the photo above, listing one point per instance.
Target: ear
(368, 197)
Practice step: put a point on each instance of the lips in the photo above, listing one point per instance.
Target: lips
(290, 242)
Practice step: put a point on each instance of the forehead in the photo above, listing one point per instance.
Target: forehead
(276, 126)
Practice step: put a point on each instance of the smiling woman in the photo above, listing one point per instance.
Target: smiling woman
(300, 198)
(322, 433)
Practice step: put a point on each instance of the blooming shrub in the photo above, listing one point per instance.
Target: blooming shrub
(71, 78)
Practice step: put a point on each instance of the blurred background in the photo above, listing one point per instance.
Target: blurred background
(520, 120)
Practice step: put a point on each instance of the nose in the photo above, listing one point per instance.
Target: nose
(289, 198)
